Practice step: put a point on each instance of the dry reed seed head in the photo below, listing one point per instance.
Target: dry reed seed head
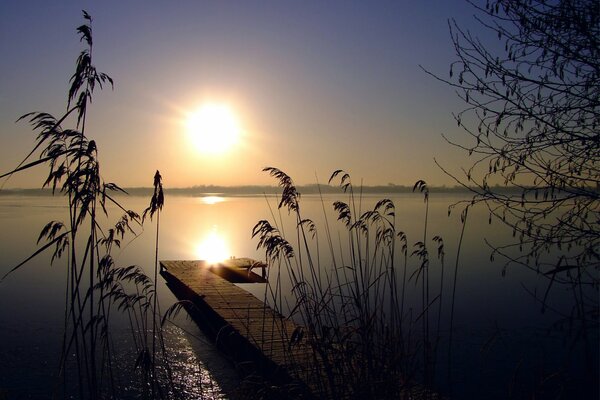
(157, 179)
(261, 227)
(270, 239)
(86, 33)
(50, 230)
(361, 226)
(344, 213)
(388, 207)
(422, 186)
(344, 180)
(440, 249)
(157, 201)
(312, 229)
(290, 196)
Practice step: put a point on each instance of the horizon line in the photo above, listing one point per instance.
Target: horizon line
(211, 189)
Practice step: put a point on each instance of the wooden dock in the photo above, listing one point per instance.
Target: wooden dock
(255, 337)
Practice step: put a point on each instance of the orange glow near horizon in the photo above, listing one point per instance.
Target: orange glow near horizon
(213, 128)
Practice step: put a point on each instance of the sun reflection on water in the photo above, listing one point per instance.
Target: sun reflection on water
(188, 372)
(210, 200)
(213, 248)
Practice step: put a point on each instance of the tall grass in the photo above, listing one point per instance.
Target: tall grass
(95, 287)
(350, 299)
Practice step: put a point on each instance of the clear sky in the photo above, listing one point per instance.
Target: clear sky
(314, 86)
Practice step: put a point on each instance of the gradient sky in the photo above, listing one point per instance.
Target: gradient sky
(316, 86)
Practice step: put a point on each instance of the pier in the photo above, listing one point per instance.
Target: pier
(254, 336)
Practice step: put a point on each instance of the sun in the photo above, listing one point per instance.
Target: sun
(213, 128)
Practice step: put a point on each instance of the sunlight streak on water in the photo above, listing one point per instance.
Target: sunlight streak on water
(189, 373)
(210, 200)
(187, 376)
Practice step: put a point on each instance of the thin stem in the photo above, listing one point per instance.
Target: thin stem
(450, 334)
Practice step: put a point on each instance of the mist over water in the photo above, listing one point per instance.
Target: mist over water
(499, 330)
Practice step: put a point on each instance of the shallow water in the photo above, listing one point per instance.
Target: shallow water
(502, 344)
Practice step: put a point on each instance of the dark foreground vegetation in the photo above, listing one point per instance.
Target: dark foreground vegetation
(536, 168)
(532, 123)
(96, 288)
(349, 294)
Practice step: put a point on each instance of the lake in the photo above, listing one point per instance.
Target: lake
(503, 344)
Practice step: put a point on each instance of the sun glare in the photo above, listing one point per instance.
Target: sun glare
(213, 128)
(213, 248)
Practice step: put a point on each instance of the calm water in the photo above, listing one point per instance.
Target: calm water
(503, 342)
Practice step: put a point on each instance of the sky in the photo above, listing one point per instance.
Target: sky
(314, 86)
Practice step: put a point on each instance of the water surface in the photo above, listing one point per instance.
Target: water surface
(503, 343)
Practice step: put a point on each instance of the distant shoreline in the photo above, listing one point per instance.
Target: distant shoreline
(205, 190)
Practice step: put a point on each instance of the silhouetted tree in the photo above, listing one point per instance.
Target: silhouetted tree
(533, 114)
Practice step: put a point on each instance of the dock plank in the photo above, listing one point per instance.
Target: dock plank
(250, 328)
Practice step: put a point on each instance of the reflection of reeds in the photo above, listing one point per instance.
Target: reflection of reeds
(352, 308)
(95, 286)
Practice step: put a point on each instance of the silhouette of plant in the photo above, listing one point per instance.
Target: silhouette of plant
(351, 313)
(95, 285)
(532, 120)
(538, 117)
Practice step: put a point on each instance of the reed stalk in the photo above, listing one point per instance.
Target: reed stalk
(463, 219)
(350, 304)
(94, 284)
